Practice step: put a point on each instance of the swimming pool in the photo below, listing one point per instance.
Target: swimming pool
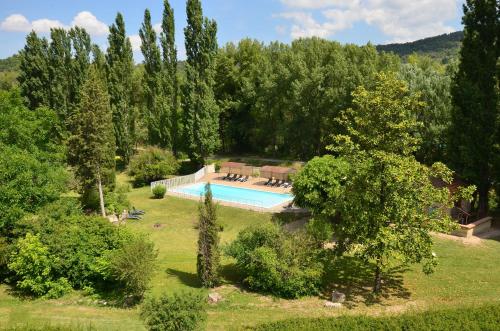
(244, 196)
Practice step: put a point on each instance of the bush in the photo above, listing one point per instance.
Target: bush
(32, 266)
(275, 261)
(180, 311)
(478, 318)
(133, 266)
(151, 165)
(159, 191)
(116, 201)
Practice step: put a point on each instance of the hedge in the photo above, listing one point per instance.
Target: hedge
(479, 318)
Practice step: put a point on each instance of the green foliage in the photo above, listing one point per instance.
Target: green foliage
(282, 99)
(177, 312)
(208, 258)
(120, 64)
(92, 143)
(152, 164)
(11, 63)
(33, 268)
(201, 112)
(133, 265)
(475, 118)
(116, 201)
(159, 191)
(433, 83)
(471, 318)
(275, 261)
(78, 245)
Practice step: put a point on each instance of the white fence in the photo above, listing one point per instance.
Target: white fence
(185, 180)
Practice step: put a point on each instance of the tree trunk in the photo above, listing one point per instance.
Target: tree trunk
(483, 194)
(101, 196)
(378, 279)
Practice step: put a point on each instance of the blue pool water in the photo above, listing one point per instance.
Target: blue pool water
(239, 195)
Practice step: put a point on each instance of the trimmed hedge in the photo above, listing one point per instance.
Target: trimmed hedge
(480, 318)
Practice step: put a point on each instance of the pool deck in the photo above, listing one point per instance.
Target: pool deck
(252, 183)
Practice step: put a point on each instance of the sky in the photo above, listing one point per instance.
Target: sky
(346, 21)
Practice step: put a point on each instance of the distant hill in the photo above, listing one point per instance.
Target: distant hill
(444, 47)
(10, 64)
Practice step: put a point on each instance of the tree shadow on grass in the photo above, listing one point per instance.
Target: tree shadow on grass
(355, 278)
(231, 274)
(186, 278)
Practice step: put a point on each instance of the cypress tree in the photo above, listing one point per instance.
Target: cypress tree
(81, 50)
(167, 39)
(475, 113)
(157, 105)
(92, 143)
(201, 113)
(120, 68)
(208, 259)
(34, 71)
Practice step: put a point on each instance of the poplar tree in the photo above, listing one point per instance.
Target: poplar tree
(60, 72)
(201, 112)
(120, 68)
(81, 51)
(34, 71)
(92, 143)
(171, 85)
(208, 259)
(156, 112)
(475, 114)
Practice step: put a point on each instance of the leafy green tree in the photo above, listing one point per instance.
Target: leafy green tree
(92, 144)
(133, 265)
(151, 165)
(208, 259)
(34, 71)
(201, 113)
(120, 68)
(170, 79)
(475, 117)
(32, 265)
(81, 52)
(380, 200)
(176, 312)
(433, 83)
(157, 105)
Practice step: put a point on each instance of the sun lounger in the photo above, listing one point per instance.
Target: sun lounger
(237, 177)
(231, 177)
(269, 182)
(226, 177)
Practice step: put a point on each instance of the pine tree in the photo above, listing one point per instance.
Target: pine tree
(92, 143)
(34, 71)
(157, 105)
(475, 114)
(201, 113)
(171, 85)
(120, 68)
(208, 259)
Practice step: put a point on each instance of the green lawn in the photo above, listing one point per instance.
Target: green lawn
(467, 275)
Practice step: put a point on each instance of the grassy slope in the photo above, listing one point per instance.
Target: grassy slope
(467, 275)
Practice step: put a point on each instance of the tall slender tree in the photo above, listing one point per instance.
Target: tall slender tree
(475, 114)
(120, 68)
(171, 85)
(81, 51)
(34, 71)
(92, 143)
(60, 63)
(208, 242)
(157, 105)
(201, 112)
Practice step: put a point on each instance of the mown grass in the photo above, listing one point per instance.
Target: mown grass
(468, 275)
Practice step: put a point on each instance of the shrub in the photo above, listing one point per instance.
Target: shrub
(159, 191)
(133, 266)
(180, 311)
(477, 318)
(32, 266)
(275, 261)
(116, 201)
(152, 164)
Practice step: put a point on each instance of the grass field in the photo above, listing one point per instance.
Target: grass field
(468, 275)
